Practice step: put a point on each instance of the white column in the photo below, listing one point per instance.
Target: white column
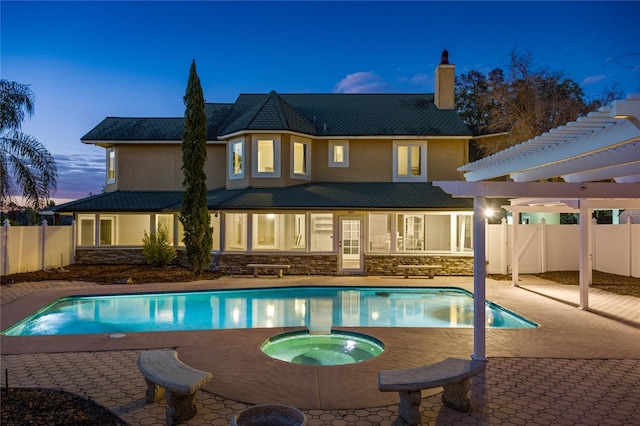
(479, 280)
(515, 250)
(543, 244)
(585, 221)
(74, 242)
(96, 230)
(504, 238)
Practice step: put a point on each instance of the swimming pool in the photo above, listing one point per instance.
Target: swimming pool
(317, 308)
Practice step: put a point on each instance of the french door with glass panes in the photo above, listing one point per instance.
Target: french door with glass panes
(350, 250)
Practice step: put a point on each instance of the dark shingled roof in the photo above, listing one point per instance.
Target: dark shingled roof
(335, 114)
(123, 201)
(154, 129)
(340, 114)
(271, 113)
(327, 196)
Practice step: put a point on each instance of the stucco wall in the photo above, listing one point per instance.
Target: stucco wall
(369, 161)
(158, 167)
(444, 157)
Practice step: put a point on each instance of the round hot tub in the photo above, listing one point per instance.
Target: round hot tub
(335, 348)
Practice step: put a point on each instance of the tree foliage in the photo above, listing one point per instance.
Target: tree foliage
(194, 215)
(26, 167)
(522, 102)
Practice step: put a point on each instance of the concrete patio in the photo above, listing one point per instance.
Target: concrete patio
(577, 368)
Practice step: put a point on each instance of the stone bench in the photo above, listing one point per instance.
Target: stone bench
(430, 268)
(165, 373)
(452, 374)
(277, 268)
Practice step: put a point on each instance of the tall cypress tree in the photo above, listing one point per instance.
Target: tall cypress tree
(195, 214)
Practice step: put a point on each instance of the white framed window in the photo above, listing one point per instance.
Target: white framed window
(380, 232)
(464, 233)
(409, 161)
(338, 153)
(266, 156)
(107, 230)
(264, 230)
(411, 232)
(86, 229)
(236, 159)
(111, 165)
(235, 231)
(300, 158)
(435, 232)
(438, 232)
(276, 231)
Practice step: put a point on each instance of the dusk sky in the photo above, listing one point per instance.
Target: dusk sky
(87, 60)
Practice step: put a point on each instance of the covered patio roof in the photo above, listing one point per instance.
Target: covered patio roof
(597, 157)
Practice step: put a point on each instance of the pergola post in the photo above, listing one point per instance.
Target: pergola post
(515, 251)
(479, 283)
(585, 265)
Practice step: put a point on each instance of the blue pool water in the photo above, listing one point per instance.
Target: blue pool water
(318, 308)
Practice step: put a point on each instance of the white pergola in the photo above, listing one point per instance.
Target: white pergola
(597, 157)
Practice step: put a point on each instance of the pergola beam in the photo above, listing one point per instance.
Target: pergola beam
(559, 150)
(610, 158)
(601, 174)
(610, 127)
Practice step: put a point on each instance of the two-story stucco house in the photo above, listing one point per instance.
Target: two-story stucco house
(327, 183)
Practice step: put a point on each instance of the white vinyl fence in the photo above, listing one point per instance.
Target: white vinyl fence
(542, 248)
(33, 248)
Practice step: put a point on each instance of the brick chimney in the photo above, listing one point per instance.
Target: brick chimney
(445, 83)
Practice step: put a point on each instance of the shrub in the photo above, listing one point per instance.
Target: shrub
(156, 248)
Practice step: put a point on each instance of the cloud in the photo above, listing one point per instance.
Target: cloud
(361, 82)
(79, 175)
(593, 79)
(419, 81)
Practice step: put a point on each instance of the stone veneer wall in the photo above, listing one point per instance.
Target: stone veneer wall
(109, 256)
(301, 263)
(385, 264)
(123, 256)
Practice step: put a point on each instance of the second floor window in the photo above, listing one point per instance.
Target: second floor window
(338, 153)
(266, 156)
(236, 159)
(111, 165)
(409, 162)
(300, 158)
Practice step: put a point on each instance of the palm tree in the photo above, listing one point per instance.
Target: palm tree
(26, 167)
